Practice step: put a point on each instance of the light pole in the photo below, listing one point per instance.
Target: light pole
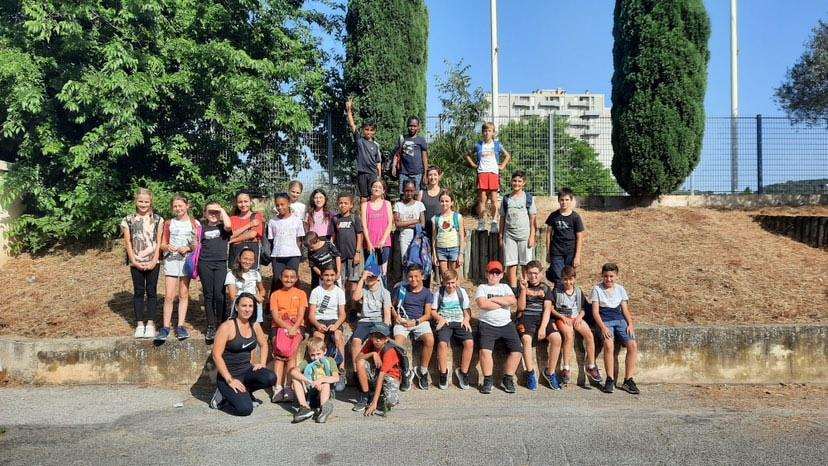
(495, 52)
(734, 99)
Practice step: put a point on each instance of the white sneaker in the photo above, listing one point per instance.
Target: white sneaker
(277, 394)
(139, 330)
(149, 330)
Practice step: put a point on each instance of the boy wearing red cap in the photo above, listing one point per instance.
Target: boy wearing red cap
(494, 300)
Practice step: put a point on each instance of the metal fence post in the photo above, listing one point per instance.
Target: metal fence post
(759, 188)
(551, 154)
(734, 154)
(329, 137)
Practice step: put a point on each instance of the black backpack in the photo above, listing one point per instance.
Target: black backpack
(405, 363)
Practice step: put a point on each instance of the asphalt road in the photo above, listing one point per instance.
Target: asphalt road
(666, 424)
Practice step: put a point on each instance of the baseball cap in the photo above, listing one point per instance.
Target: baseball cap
(380, 328)
(494, 266)
(374, 270)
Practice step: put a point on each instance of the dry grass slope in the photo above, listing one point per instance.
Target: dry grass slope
(680, 266)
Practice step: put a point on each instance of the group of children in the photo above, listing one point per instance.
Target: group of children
(347, 254)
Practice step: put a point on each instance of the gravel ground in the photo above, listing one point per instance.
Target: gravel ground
(666, 424)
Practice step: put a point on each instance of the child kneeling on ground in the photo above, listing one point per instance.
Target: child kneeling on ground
(611, 311)
(494, 299)
(451, 307)
(379, 368)
(312, 380)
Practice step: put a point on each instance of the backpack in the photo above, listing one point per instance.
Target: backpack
(324, 362)
(455, 220)
(529, 200)
(498, 149)
(332, 352)
(459, 298)
(405, 363)
(419, 252)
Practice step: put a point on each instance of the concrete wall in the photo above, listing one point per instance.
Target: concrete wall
(8, 212)
(760, 354)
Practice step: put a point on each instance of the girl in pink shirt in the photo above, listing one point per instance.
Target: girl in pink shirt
(378, 219)
(319, 218)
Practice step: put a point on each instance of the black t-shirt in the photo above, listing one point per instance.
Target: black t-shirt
(564, 231)
(411, 153)
(368, 154)
(347, 229)
(323, 256)
(214, 240)
(534, 304)
(432, 206)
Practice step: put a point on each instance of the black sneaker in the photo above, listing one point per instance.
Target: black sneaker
(210, 335)
(609, 386)
(361, 402)
(487, 386)
(462, 379)
(507, 383)
(302, 414)
(215, 402)
(443, 381)
(422, 379)
(256, 402)
(405, 383)
(629, 387)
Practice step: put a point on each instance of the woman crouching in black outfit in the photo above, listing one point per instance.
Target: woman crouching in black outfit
(237, 377)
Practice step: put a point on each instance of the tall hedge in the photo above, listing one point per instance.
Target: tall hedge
(386, 54)
(660, 56)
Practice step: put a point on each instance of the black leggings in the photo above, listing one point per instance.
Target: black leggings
(144, 282)
(241, 404)
(212, 275)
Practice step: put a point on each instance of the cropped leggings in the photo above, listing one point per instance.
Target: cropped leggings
(145, 296)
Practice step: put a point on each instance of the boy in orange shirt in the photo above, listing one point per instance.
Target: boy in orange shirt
(287, 306)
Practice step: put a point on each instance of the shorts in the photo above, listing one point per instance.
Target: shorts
(418, 331)
(531, 324)
(364, 182)
(362, 329)
(556, 265)
(488, 335)
(516, 252)
(417, 179)
(279, 264)
(351, 272)
(488, 181)
(619, 331)
(390, 385)
(174, 268)
(327, 322)
(448, 254)
(453, 330)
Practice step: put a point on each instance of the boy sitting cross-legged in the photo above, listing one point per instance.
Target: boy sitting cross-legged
(312, 380)
(379, 368)
(452, 315)
(494, 299)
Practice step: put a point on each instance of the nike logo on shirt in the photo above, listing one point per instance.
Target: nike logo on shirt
(245, 346)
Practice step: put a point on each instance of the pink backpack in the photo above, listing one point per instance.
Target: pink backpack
(284, 345)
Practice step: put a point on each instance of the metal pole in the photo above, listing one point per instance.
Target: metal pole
(759, 188)
(551, 154)
(734, 99)
(329, 136)
(495, 52)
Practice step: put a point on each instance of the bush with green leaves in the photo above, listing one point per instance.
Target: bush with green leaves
(97, 98)
(660, 57)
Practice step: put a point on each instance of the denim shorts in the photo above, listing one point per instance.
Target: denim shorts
(448, 254)
(619, 331)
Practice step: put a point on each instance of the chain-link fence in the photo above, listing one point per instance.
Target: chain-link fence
(765, 155)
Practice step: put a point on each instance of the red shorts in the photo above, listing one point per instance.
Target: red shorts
(488, 181)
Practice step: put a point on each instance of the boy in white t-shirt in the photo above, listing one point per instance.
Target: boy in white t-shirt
(494, 299)
(612, 315)
(451, 307)
(490, 159)
(327, 314)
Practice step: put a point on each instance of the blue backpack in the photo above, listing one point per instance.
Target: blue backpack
(498, 149)
(419, 252)
(529, 200)
(324, 363)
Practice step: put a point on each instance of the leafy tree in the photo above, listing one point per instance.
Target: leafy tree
(386, 54)
(100, 96)
(804, 94)
(660, 57)
(576, 162)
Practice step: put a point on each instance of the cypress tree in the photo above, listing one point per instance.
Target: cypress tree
(386, 54)
(660, 56)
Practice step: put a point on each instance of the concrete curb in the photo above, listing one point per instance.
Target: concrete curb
(699, 354)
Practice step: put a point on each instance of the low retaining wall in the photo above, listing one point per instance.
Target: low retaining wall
(760, 354)
(809, 229)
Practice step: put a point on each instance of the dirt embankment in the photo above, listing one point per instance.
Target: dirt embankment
(680, 266)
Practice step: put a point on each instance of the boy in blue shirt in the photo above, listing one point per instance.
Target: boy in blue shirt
(412, 312)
